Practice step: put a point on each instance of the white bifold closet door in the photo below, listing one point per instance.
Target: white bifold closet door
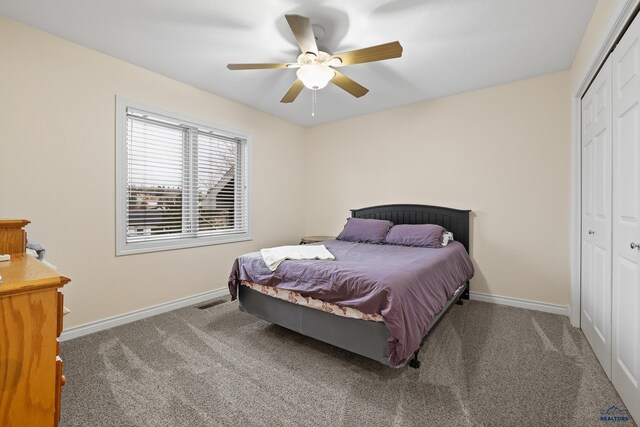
(626, 219)
(596, 216)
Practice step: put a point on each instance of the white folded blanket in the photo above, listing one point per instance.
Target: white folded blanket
(274, 256)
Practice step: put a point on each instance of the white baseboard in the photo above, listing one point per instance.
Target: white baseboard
(121, 319)
(521, 303)
(571, 317)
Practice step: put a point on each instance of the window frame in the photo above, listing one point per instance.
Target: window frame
(124, 248)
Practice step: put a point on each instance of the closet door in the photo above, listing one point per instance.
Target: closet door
(596, 216)
(626, 219)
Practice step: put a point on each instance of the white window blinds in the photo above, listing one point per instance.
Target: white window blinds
(185, 185)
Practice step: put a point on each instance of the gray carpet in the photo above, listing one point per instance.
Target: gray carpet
(483, 365)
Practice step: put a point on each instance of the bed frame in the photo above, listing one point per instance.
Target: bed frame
(363, 337)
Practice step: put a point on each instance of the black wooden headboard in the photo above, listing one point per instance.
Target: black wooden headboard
(454, 220)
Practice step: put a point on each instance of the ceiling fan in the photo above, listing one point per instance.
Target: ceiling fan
(316, 68)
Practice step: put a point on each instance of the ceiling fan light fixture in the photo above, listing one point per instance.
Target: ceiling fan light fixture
(315, 76)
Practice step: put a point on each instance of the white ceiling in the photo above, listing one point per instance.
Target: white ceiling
(450, 46)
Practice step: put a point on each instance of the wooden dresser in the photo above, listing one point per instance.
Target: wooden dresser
(30, 322)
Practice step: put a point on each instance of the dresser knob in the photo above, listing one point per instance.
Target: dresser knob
(635, 245)
(592, 232)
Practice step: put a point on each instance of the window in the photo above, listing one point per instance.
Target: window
(180, 184)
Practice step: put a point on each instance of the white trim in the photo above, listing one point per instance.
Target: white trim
(521, 303)
(121, 178)
(619, 18)
(121, 319)
(180, 243)
(576, 220)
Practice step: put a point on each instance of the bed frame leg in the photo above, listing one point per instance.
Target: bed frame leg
(415, 363)
(460, 302)
(465, 294)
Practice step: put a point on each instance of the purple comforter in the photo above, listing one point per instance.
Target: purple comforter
(408, 286)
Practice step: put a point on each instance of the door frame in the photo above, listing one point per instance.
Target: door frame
(617, 24)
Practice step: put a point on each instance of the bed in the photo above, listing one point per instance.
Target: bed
(363, 336)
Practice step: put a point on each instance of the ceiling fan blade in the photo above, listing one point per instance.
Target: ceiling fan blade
(302, 31)
(349, 85)
(370, 54)
(293, 92)
(258, 66)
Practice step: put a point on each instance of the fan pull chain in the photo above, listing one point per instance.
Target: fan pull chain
(313, 102)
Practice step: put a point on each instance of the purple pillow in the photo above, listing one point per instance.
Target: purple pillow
(423, 235)
(365, 230)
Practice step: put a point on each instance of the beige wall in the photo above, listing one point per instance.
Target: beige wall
(502, 152)
(597, 25)
(510, 144)
(57, 145)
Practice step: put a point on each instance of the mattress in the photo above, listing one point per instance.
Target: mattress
(296, 298)
(407, 286)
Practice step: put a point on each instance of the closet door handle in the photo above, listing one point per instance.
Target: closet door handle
(635, 245)
(591, 232)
